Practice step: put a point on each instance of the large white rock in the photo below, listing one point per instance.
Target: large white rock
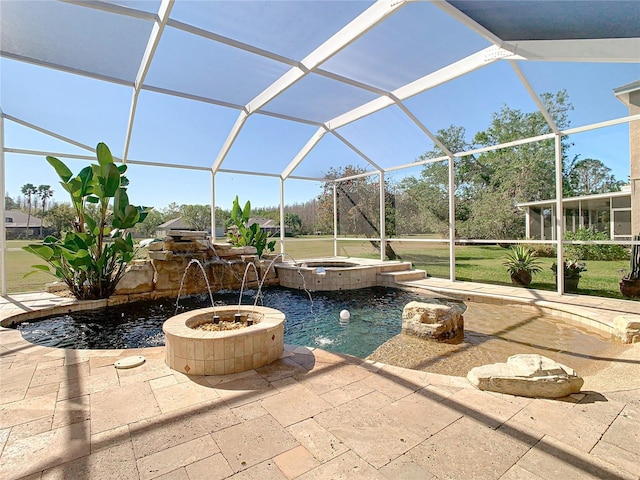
(626, 328)
(432, 321)
(527, 375)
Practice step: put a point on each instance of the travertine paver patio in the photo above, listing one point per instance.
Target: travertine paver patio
(311, 415)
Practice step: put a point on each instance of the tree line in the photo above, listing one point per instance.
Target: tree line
(299, 217)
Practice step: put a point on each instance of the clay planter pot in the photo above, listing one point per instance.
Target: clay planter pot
(521, 277)
(630, 288)
(570, 284)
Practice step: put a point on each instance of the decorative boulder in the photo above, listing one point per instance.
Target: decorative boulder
(527, 375)
(138, 278)
(432, 321)
(626, 328)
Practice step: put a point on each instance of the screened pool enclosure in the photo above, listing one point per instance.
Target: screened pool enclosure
(394, 122)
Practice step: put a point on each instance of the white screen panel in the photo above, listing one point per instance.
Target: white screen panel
(330, 152)
(150, 6)
(175, 130)
(589, 86)
(260, 191)
(319, 99)
(471, 101)
(23, 137)
(75, 37)
(417, 40)
(267, 144)
(292, 28)
(80, 108)
(388, 137)
(192, 64)
(157, 187)
(609, 147)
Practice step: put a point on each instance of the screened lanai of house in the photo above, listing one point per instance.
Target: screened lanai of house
(277, 100)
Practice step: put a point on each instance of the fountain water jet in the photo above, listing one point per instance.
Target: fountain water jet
(204, 274)
(273, 261)
(244, 278)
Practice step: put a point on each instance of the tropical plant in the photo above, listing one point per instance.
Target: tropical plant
(92, 258)
(521, 263)
(240, 234)
(572, 268)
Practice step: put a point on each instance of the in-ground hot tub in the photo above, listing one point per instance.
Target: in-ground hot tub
(203, 352)
(327, 274)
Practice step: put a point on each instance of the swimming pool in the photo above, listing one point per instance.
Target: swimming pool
(375, 317)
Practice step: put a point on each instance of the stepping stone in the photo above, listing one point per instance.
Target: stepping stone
(129, 362)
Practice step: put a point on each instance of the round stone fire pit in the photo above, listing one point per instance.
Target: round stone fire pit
(258, 342)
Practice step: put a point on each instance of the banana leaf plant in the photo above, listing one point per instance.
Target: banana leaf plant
(240, 234)
(92, 258)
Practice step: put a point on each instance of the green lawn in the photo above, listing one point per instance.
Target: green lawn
(473, 263)
(18, 263)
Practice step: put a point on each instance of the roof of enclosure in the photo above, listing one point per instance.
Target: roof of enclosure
(331, 81)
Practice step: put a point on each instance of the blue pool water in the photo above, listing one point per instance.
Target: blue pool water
(375, 317)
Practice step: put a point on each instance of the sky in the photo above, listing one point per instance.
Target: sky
(169, 129)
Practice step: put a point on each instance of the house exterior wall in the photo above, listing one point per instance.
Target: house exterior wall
(611, 214)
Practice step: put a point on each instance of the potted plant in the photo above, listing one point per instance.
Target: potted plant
(521, 263)
(630, 283)
(572, 271)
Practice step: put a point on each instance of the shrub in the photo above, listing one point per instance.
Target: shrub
(92, 257)
(592, 252)
(542, 250)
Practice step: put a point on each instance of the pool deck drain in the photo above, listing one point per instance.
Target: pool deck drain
(310, 415)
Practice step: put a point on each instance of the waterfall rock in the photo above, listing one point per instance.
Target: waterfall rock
(138, 278)
(527, 375)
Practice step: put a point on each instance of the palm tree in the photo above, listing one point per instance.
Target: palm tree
(29, 190)
(45, 193)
